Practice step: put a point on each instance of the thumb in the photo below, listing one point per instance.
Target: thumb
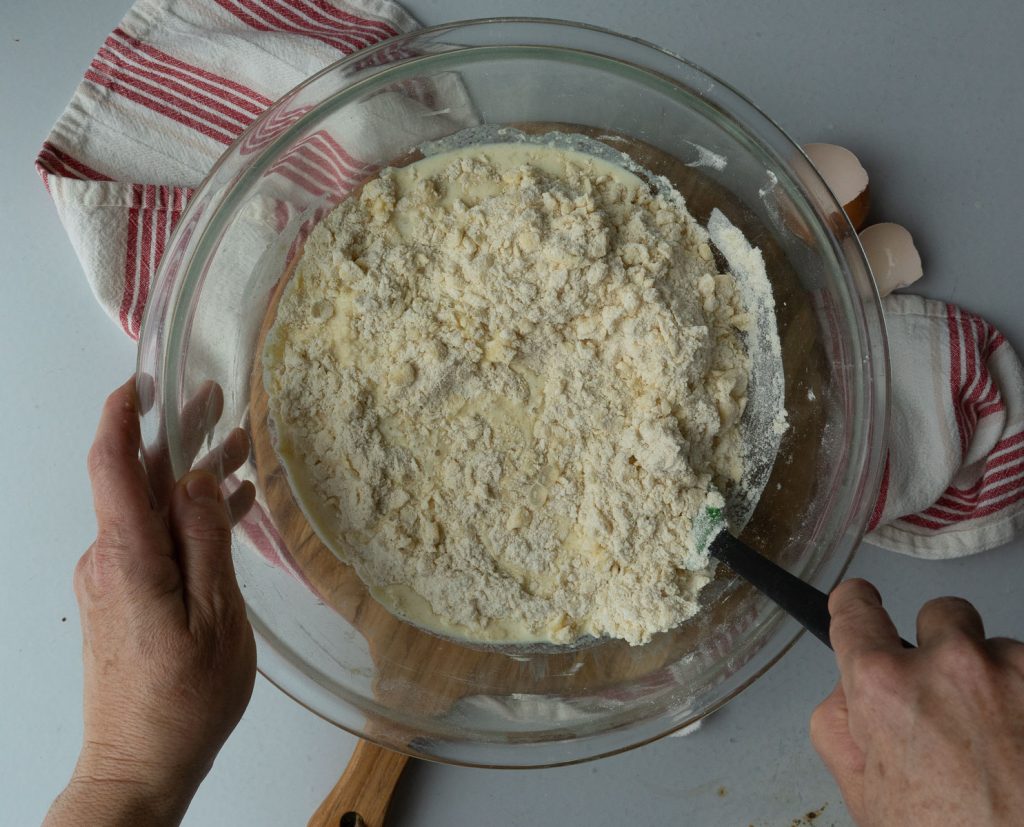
(830, 735)
(202, 534)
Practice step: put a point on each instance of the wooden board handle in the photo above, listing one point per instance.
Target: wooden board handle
(363, 793)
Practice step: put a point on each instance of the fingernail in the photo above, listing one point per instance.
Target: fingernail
(214, 403)
(202, 486)
(236, 446)
(145, 392)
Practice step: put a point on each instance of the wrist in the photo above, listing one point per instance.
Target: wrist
(109, 792)
(107, 803)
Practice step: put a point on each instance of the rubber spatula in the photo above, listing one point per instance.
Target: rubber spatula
(806, 604)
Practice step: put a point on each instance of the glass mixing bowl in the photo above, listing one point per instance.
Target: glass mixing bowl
(321, 637)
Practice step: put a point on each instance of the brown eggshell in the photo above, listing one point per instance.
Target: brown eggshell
(845, 176)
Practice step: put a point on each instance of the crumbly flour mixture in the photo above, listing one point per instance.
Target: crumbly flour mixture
(502, 380)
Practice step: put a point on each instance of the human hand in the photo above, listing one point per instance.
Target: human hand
(169, 656)
(926, 736)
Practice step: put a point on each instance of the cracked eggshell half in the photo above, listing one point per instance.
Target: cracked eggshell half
(845, 176)
(893, 258)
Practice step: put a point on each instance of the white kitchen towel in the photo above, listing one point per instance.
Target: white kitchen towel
(178, 81)
(172, 86)
(954, 480)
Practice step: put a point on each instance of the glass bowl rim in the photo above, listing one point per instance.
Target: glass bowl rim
(876, 354)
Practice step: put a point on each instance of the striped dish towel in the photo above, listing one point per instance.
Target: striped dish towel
(171, 87)
(169, 90)
(954, 480)
(178, 81)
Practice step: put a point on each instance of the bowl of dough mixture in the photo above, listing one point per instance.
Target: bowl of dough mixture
(505, 306)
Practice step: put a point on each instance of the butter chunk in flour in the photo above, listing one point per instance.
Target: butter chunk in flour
(503, 380)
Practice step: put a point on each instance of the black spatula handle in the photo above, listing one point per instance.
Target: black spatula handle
(806, 604)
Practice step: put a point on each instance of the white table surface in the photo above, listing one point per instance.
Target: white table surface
(927, 93)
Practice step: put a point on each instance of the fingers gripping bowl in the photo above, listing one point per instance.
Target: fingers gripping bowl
(322, 638)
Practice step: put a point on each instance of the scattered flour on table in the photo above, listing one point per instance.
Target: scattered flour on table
(504, 380)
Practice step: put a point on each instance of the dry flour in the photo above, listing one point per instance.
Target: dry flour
(503, 380)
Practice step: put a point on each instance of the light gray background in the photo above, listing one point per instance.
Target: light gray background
(927, 93)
